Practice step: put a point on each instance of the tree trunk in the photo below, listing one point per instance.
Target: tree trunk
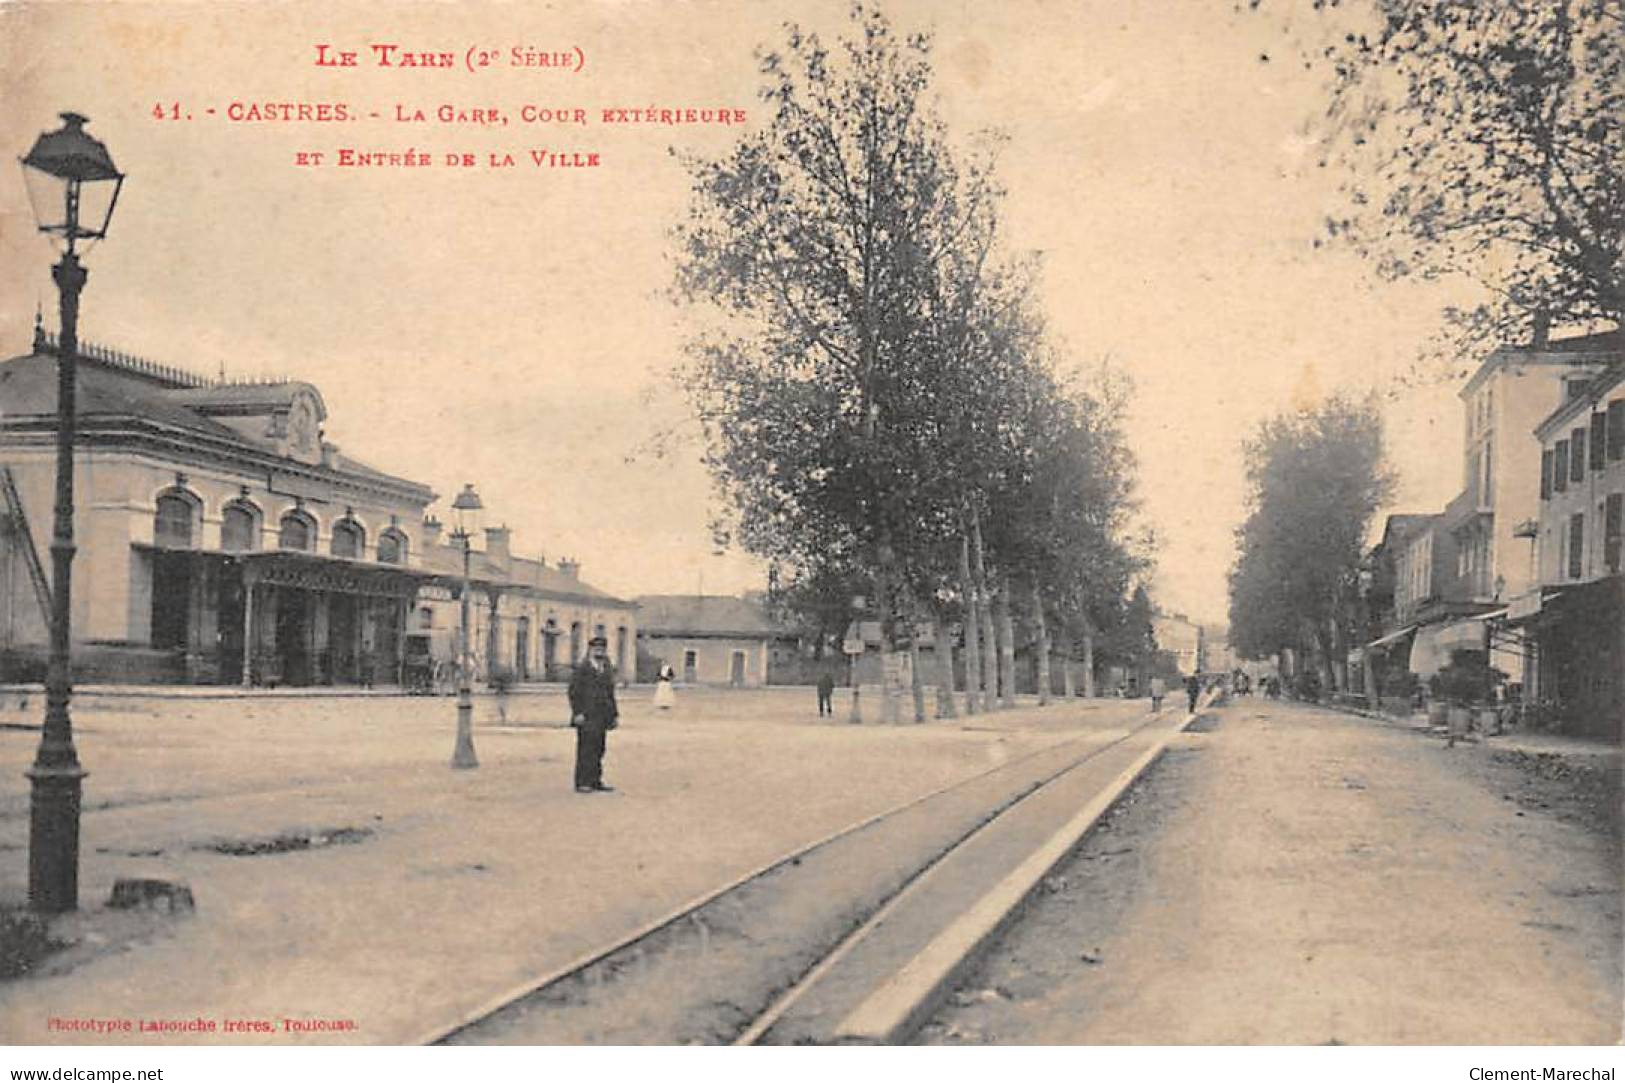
(973, 637)
(1088, 661)
(916, 679)
(944, 651)
(1043, 648)
(1068, 683)
(1007, 645)
(990, 655)
(1323, 650)
(888, 657)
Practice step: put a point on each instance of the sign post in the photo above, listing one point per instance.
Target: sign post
(852, 647)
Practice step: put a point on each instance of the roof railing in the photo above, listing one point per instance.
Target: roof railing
(173, 375)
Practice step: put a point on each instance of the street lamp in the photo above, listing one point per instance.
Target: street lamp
(73, 186)
(465, 512)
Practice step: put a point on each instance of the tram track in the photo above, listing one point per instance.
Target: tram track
(784, 952)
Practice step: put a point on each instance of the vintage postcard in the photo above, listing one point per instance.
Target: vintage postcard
(710, 522)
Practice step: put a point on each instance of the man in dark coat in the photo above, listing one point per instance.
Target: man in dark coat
(826, 694)
(593, 714)
(1193, 690)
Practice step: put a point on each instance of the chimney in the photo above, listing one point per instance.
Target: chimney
(571, 568)
(1543, 329)
(496, 545)
(431, 532)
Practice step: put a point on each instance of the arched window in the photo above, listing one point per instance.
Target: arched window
(392, 547)
(172, 525)
(348, 538)
(239, 528)
(297, 532)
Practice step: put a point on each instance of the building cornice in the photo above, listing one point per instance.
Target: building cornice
(1601, 385)
(134, 433)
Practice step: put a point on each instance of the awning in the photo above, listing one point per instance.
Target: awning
(1526, 605)
(1391, 638)
(1435, 643)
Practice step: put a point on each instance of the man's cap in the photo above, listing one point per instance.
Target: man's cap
(597, 641)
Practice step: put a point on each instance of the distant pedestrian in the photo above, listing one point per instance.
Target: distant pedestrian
(665, 697)
(593, 714)
(1159, 688)
(1193, 689)
(826, 694)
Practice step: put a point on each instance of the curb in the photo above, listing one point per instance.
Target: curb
(908, 997)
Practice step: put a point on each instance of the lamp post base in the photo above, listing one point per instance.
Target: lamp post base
(53, 838)
(464, 754)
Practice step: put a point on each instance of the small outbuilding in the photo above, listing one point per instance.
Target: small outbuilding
(710, 639)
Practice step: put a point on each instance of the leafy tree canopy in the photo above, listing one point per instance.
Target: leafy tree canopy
(1482, 138)
(1316, 478)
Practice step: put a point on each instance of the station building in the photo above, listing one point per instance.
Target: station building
(221, 540)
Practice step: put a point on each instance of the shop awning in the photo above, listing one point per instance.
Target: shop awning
(1525, 605)
(1390, 639)
(1435, 642)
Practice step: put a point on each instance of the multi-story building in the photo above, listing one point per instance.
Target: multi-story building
(1572, 619)
(1400, 572)
(528, 618)
(1503, 402)
(1217, 654)
(1181, 638)
(222, 539)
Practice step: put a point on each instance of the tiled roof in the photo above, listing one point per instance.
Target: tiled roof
(28, 388)
(520, 571)
(112, 389)
(1404, 525)
(705, 614)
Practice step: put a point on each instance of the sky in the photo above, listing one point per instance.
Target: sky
(513, 326)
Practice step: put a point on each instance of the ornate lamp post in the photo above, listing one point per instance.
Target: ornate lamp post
(465, 510)
(73, 186)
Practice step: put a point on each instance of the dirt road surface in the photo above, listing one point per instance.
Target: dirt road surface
(1296, 876)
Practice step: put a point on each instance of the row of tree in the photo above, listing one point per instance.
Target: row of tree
(884, 413)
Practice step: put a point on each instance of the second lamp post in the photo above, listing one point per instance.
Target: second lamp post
(465, 511)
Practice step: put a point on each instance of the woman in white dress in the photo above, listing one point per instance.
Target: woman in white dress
(665, 698)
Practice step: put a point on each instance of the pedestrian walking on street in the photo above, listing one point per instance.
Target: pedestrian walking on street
(826, 694)
(665, 698)
(1159, 688)
(593, 714)
(1193, 689)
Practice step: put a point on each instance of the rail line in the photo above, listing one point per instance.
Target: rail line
(727, 953)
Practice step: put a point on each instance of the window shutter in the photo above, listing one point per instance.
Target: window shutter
(1616, 430)
(1577, 534)
(1560, 467)
(1612, 529)
(1599, 440)
(1546, 475)
(1577, 455)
